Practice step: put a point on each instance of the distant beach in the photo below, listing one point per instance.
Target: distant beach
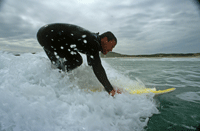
(173, 55)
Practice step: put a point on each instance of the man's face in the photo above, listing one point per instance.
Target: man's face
(107, 46)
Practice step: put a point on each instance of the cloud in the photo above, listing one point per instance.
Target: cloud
(163, 27)
(142, 27)
(1, 3)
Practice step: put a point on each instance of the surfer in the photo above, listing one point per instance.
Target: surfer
(63, 42)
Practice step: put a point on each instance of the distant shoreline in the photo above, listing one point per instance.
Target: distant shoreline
(156, 57)
(117, 55)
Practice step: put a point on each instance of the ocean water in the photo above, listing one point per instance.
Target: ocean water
(179, 110)
(35, 97)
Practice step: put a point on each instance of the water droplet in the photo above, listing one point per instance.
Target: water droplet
(85, 41)
(72, 34)
(46, 35)
(73, 53)
(55, 53)
(69, 50)
(62, 47)
(73, 46)
(52, 39)
(51, 30)
(83, 36)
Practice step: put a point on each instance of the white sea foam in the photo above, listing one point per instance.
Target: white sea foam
(34, 97)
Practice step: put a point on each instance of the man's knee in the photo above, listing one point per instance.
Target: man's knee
(42, 37)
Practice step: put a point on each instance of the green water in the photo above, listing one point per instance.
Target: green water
(179, 110)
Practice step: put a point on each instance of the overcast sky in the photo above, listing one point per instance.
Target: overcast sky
(141, 26)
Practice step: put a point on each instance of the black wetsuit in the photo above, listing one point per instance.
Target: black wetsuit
(62, 42)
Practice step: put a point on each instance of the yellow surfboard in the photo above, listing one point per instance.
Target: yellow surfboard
(149, 90)
(140, 91)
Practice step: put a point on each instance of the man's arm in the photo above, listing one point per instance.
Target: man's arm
(101, 76)
(99, 71)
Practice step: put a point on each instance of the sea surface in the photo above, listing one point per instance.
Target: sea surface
(35, 97)
(179, 110)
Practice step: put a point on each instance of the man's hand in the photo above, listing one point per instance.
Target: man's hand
(113, 92)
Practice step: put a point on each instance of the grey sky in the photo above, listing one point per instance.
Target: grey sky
(141, 26)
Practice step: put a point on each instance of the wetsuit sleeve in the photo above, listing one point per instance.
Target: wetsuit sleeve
(99, 71)
(89, 60)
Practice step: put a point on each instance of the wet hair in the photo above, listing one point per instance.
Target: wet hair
(109, 35)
